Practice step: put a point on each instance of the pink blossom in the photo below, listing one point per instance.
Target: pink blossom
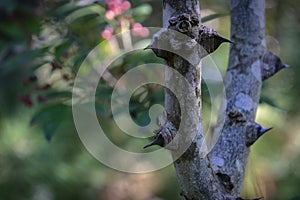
(110, 15)
(139, 30)
(125, 5)
(107, 33)
(116, 7)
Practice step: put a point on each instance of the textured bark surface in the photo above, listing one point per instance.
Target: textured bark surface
(195, 175)
(219, 174)
(243, 85)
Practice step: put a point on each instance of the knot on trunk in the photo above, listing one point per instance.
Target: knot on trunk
(236, 117)
(185, 23)
(225, 181)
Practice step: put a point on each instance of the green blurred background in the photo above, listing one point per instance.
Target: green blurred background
(43, 43)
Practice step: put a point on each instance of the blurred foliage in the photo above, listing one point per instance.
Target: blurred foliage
(42, 45)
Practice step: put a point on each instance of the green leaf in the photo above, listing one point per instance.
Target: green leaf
(134, 107)
(61, 48)
(84, 11)
(100, 110)
(78, 60)
(22, 60)
(213, 16)
(104, 91)
(141, 12)
(143, 118)
(64, 9)
(4, 50)
(50, 117)
(58, 95)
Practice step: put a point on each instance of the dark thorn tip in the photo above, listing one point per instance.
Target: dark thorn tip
(286, 66)
(154, 142)
(148, 145)
(258, 198)
(148, 47)
(158, 140)
(226, 40)
(264, 130)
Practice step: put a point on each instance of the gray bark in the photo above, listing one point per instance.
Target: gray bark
(243, 85)
(219, 174)
(195, 177)
(195, 174)
(249, 64)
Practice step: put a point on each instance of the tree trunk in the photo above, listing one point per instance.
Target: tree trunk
(195, 177)
(219, 174)
(243, 85)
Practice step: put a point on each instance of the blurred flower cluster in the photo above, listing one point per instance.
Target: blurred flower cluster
(116, 12)
(115, 8)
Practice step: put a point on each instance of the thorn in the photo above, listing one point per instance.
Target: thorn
(286, 66)
(271, 65)
(253, 132)
(149, 145)
(231, 42)
(210, 39)
(155, 50)
(264, 130)
(225, 40)
(148, 47)
(158, 140)
(258, 198)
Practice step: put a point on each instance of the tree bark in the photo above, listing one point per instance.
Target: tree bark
(195, 178)
(219, 174)
(243, 85)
